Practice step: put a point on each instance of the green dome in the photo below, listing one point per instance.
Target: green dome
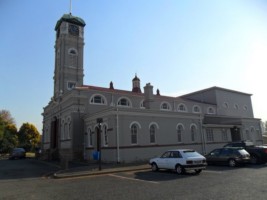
(70, 18)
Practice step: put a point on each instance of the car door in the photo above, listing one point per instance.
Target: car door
(214, 156)
(224, 156)
(175, 158)
(163, 160)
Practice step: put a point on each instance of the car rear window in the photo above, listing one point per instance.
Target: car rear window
(243, 152)
(191, 153)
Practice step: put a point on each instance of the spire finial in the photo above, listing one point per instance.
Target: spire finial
(70, 7)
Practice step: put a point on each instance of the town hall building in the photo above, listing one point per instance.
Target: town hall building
(136, 124)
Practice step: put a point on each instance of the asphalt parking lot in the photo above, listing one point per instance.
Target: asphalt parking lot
(26, 179)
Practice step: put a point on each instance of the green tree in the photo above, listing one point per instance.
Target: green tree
(8, 131)
(10, 139)
(29, 137)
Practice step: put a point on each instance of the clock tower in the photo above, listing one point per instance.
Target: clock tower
(69, 47)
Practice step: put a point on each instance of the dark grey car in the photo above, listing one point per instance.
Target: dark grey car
(231, 156)
(17, 153)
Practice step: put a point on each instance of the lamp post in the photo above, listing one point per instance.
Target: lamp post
(99, 121)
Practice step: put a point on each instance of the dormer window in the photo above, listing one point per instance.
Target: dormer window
(196, 109)
(124, 102)
(97, 99)
(165, 106)
(211, 110)
(181, 108)
(142, 104)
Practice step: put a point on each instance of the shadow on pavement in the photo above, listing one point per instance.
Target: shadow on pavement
(25, 168)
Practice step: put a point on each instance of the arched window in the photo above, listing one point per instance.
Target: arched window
(193, 130)
(142, 104)
(181, 108)
(152, 132)
(98, 99)
(211, 110)
(225, 105)
(252, 132)
(73, 57)
(165, 106)
(105, 132)
(134, 134)
(46, 134)
(62, 133)
(248, 135)
(124, 102)
(236, 106)
(89, 138)
(66, 131)
(196, 109)
(180, 130)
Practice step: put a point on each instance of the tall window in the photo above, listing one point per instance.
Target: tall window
(73, 57)
(252, 131)
(248, 135)
(180, 129)
(209, 135)
(66, 131)
(152, 134)
(224, 134)
(89, 137)
(105, 135)
(47, 138)
(62, 133)
(193, 133)
(134, 134)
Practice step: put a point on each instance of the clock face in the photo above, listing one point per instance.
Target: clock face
(73, 29)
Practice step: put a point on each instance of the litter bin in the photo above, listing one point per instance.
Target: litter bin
(96, 155)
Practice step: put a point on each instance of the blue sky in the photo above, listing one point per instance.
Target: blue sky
(177, 46)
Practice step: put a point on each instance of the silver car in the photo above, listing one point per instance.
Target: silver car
(180, 160)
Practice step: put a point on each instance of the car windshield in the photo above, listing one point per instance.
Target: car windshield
(191, 153)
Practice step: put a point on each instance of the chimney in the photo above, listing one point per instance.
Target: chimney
(149, 97)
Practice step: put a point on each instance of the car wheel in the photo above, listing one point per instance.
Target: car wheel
(232, 163)
(198, 171)
(254, 159)
(179, 169)
(154, 167)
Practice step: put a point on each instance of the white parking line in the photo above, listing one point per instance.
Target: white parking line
(213, 172)
(133, 179)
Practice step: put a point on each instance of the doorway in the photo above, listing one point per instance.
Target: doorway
(235, 134)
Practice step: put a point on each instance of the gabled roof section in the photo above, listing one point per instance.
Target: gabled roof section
(215, 88)
(70, 18)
